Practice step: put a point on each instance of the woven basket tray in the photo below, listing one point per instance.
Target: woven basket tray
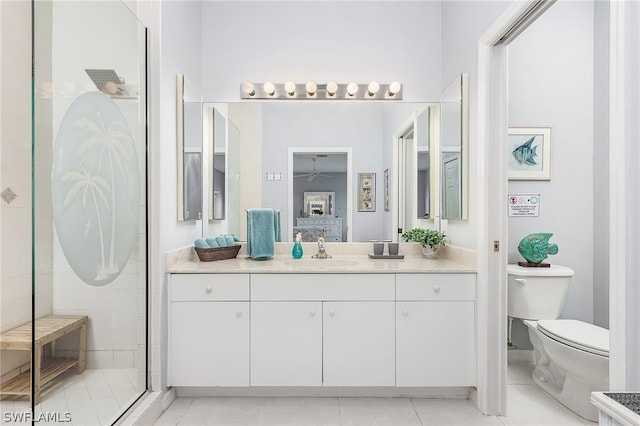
(219, 253)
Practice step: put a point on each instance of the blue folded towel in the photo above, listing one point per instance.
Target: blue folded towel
(236, 239)
(212, 243)
(228, 239)
(263, 230)
(200, 243)
(221, 241)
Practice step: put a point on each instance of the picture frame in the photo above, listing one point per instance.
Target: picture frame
(529, 153)
(386, 191)
(366, 192)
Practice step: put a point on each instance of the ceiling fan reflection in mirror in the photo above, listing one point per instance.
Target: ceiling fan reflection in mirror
(314, 173)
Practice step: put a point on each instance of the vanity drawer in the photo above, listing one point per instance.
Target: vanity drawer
(435, 287)
(325, 286)
(209, 287)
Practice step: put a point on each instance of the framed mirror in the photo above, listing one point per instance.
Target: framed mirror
(188, 154)
(217, 149)
(454, 149)
(415, 153)
(262, 134)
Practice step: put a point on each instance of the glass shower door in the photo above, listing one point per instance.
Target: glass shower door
(89, 356)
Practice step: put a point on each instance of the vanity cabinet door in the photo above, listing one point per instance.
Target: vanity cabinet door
(286, 343)
(358, 344)
(435, 343)
(209, 344)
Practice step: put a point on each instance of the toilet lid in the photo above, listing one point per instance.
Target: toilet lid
(577, 334)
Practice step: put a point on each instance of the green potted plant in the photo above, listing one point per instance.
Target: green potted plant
(430, 240)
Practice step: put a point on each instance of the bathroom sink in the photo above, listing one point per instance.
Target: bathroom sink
(321, 263)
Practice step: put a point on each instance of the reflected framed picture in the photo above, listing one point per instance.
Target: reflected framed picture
(529, 153)
(366, 192)
(386, 190)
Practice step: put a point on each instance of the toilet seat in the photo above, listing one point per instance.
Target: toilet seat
(577, 334)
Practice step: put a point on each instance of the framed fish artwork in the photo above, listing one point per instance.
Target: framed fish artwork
(529, 153)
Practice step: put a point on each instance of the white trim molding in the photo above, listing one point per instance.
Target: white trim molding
(624, 195)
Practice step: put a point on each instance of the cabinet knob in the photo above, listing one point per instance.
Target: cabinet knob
(436, 288)
(405, 312)
(312, 312)
(520, 280)
(209, 288)
(332, 313)
(238, 314)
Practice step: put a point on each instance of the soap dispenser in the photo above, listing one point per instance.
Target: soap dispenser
(297, 247)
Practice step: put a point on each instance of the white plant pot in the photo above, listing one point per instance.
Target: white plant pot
(430, 252)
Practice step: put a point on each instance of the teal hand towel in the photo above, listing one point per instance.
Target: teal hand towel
(261, 232)
(221, 241)
(229, 240)
(276, 225)
(212, 243)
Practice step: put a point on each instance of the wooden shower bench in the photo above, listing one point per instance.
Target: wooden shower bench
(47, 366)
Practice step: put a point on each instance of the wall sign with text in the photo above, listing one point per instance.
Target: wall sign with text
(524, 205)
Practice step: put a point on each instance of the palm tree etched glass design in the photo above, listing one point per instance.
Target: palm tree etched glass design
(95, 188)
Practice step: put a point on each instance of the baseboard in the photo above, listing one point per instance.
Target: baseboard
(520, 355)
(285, 391)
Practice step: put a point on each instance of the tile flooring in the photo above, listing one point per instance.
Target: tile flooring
(527, 405)
(96, 397)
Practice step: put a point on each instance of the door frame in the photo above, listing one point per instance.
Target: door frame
(492, 122)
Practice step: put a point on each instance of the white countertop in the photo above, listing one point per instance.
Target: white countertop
(346, 258)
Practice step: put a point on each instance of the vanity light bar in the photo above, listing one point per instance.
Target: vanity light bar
(313, 90)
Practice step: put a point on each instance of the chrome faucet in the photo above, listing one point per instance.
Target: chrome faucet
(322, 254)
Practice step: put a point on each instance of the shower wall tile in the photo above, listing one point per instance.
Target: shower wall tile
(15, 164)
(13, 312)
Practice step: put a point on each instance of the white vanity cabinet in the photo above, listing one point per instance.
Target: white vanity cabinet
(209, 330)
(435, 330)
(322, 329)
(337, 329)
(286, 343)
(358, 343)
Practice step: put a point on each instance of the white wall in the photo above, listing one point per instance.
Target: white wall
(343, 41)
(551, 84)
(463, 23)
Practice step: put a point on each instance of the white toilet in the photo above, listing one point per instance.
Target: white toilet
(572, 357)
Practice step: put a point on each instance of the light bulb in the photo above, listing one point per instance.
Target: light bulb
(373, 88)
(332, 88)
(352, 89)
(269, 88)
(248, 88)
(394, 88)
(290, 88)
(311, 87)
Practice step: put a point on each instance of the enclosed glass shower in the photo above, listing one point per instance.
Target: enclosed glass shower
(80, 355)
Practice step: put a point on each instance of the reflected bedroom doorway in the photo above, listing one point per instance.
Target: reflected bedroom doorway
(319, 171)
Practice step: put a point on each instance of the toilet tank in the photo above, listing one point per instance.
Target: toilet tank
(537, 293)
